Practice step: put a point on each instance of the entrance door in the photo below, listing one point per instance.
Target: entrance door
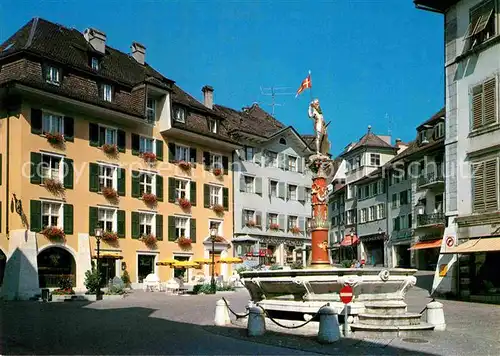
(54, 265)
(145, 266)
(107, 270)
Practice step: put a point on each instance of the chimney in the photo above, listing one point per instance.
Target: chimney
(96, 39)
(208, 96)
(138, 52)
(398, 142)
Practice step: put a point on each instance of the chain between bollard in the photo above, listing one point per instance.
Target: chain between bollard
(296, 326)
(238, 316)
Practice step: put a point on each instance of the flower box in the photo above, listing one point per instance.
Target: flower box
(295, 230)
(250, 223)
(184, 241)
(149, 240)
(149, 199)
(110, 149)
(109, 236)
(184, 203)
(54, 138)
(66, 291)
(217, 172)
(185, 166)
(109, 193)
(217, 208)
(149, 156)
(274, 227)
(54, 233)
(53, 185)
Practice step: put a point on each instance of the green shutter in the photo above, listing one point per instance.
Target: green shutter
(206, 160)
(136, 232)
(159, 187)
(121, 140)
(68, 219)
(159, 227)
(93, 177)
(171, 228)
(35, 215)
(36, 159)
(171, 190)
(121, 181)
(93, 134)
(69, 128)
(225, 164)
(68, 173)
(171, 152)
(36, 121)
(136, 191)
(225, 198)
(93, 219)
(159, 150)
(192, 230)
(192, 193)
(136, 144)
(120, 228)
(206, 195)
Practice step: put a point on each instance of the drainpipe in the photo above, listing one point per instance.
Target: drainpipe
(7, 166)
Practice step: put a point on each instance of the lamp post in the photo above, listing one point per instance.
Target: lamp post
(213, 236)
(98, 236)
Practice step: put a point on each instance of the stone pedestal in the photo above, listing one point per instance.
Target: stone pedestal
(83, 261)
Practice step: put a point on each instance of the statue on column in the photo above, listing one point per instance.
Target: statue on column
(315, 113)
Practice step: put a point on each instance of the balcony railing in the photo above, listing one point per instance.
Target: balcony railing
(430, 219)
(430, 179)
(402, 234)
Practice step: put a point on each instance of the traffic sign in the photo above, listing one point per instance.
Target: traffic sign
(346, 294)
(450, 241)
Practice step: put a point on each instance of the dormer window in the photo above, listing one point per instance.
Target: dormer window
(52, 76)
(439, 130)
(422, 137)
(282, 141)
(179, 114)
(212, 125)
(107, 92)
(94, 63)
(151, 110)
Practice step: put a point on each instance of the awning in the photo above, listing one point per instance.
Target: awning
(166, 262)
(426, 244)
(114, 255)
(350, 240)
(245, 238)
(476, 245)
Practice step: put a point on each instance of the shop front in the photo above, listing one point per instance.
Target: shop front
(426, 253)
(349, 248)
(372, 249)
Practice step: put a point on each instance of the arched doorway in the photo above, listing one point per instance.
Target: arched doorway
(3, 262)
(55, 264)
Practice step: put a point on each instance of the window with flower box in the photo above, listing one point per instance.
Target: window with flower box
(181, 227)
(147, 183)
(107, 219)
(146, 144)
(248, 217)
(181, 153)
(107, 177)
(51, 167)
(215, 195)
(216, 161)
(272, 219)
(51, 214)
(292, 222)
(146, 224)
(182, 189)
(52, 123)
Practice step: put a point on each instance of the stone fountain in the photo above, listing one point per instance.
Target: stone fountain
(378, 307)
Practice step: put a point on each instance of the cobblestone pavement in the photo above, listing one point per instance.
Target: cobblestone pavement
(154, 323)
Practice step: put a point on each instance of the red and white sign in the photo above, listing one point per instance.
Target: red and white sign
(346, 294)
(450, 241)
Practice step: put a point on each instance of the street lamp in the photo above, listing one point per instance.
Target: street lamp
(213, 236)
(420, 207)
(98, 236)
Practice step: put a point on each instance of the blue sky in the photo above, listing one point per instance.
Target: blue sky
(373, 62)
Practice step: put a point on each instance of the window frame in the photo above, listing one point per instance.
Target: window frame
(216, 161)
(249, 182)
(480, 88)
(107, 93)
(53, 75)
(372, 213)
(143, 184)
(106, 178)
(60, 173)
(49, 116)
(178, 153)
(375, 157)
(290, 191)
(215, 192)
(271, 190)
(179, 114)
(290, 219)
(179, 228)
(114, 221)
(60, 217)
(94, 63)
(143, 222)
(213, 126)
(248, 150)
(142, 143)
(485, 184)
(151, 110)
(248, 215)
(179, 189)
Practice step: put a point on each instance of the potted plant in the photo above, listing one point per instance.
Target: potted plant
(295, 230)
(149, 198)
(54, 233)
(274, 226)
(110, 149)
(149, 239)
(184, 241)
(109, 236)
(217, 172)
(185, 166)
(109, 193)
(54, 138)
(250, 223)
(53, 185)
(217, 208)
(184, 203)
(149, 156)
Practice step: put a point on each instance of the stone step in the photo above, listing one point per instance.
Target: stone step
(390, 320)
(385, 308)
(365, 330)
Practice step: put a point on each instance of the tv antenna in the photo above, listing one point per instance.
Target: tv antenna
(273, 92)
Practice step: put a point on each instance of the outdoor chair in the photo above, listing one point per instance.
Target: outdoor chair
(151, 283)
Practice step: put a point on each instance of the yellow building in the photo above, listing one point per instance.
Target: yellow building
(93, 137)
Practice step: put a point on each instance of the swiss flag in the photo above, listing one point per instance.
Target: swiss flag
(306, 84)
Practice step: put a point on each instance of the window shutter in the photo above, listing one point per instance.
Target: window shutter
(225, 198)
(171, 228)
(36, 159)
(478, 187)
(281, 221)
(192, 193)
(192, 155)
(206, 160)
(159, 187)
(68, 219)
(93, 177)
(121, 181)
(490, 102)
(243, 222)
(192, 230)
(159, 150)
(68, 173)
(477, 107)
(258, 185)
(93, 134)
(301, 193)
(258, 218)
(35, 215)
(69, 128)
(102, 136)
(300, 164)
(225, 164)
(281, 161)
(36, 121)
(121, 140)
(281, 190)
(135, 184)
(171, 152)
(206, 195)
(120, 226)
(136, 144)
(302, 224)
(136, 231)
(491, 185)
(171, 190)
(93, 219)
(159, 227)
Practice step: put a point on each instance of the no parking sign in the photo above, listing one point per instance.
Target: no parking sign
(450, 241)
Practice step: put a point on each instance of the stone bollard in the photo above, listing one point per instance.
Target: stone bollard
(221, 313)
(435, 315)
(329, 328)
(256, 321)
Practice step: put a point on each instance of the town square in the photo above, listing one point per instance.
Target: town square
(212, 178)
